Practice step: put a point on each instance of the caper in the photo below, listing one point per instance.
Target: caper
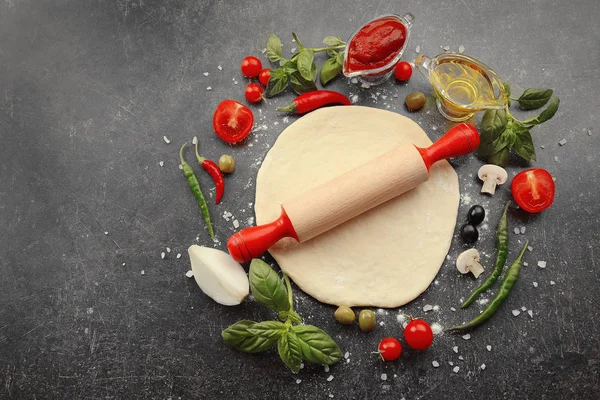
(415, 101)
(226, 164)
(344, 315)
(366, 320)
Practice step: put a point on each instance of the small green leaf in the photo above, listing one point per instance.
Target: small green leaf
(298, 42)
(545, 115)
(274, 48)
(305, 62)
(291, 315)
(316, 345)
(238, 337)
(532, 99)
(289, 350)
(267, 288)
(277, 83)
(332, 53)
(331, 41)
(524, 144)
(493, 123)
(290, 67)
(267, 329)
(506, 89)
(340, 58)
(301, 85)
(500, 158)
(329, 70)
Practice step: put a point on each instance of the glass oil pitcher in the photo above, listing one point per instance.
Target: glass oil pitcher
(463, 85)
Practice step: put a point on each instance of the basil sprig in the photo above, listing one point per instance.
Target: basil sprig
(501, 132)
(300, 72)
(294, 342)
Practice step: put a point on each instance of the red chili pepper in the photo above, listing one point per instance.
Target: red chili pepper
(310, 101)
(214, 172)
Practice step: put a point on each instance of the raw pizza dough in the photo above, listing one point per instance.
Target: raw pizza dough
(385, 257)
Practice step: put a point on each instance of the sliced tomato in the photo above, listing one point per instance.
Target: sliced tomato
(232, 121)
(533, 189)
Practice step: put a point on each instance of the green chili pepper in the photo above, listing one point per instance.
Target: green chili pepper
(512, 273)
(501, 253)
(195, 187)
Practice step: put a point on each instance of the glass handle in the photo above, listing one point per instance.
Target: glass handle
(423, 63)
(408, 19)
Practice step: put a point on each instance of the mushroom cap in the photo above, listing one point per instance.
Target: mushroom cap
(466, 259)
(491, 170)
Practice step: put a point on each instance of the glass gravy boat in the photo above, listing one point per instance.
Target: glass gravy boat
(463, 85)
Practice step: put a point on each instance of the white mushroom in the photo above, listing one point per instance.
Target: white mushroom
(468, 261)
(218, 275)
(491, 175)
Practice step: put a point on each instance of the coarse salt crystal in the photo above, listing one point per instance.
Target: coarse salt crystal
(435, 364)
(436, 328)
(189, 274)
(488, 347)
(384, 377)
(523, 308)
(347, 354)
(427, 307)
(535, 284)
(263, 51)
(106, 232)
(530, 248)
(166, 139)
(525, 263)
(522, 229)
(195, 140)
(446, 48)
(452, 309)
(209, 88)
(354, 99)
(142, 272)
(401, 318)
(354, 80)
(235, 82)
(455, 349)
(205, 74)
(301, 365)
(162, 255)
(330, 378)
(161, 163)
(380, 311)
(326, 368)
(466, 337)
(180, 166)
(456, 369)
(236, 223)
(542, 146)
(461, 49)
(562, 142)
(417, 49)
(516, 312)
(450, 363)
(298, 381)
(482, 366)
(381, 323)
(541, 264)
(219, 68)
(530, 312)
(461, 358)
(552, 282)
(331, 395)
(168, 249)
(292, 50)
(516, 231)
(556, 158)
(123, 264)
(436, 308)
(178, 255)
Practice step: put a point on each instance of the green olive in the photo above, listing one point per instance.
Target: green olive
(415, 101)
(226, 164)
(366, 320)
(344, 315)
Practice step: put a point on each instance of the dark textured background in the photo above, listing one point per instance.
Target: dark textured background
(89, 88)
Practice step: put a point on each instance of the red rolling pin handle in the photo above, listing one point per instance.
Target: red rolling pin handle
(458, 141)
(252, 242)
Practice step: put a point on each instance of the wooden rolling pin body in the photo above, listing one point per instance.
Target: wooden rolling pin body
(346, 196)
(358, 190)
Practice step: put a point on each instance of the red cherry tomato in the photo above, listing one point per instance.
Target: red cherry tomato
(533, 189)
(253, 93)
(402, 71)
(251, 66)
(390, 349)
(418, 334)
(232, 121)
(264, 76)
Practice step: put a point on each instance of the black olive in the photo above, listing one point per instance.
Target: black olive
(476, 215)
(469, 233)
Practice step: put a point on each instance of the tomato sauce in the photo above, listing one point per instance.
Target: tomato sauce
(375, 45)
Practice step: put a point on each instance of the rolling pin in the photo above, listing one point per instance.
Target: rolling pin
(344, 197)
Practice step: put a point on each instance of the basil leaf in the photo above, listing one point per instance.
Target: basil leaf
(277, 82)
(524, 145)
(506, 89)
(500, 158)
(332, 53)
(545, 115)
(532, 99)
(298, 42)
(316, 345)
(267, 288)
(268, 329)
(238, 337)
(289, 350)
(329, 70)
(305, 62)
(290, 67)
(274, 48)
(340, 58)
(291, 315)
(313, 72)
(301, 85)
(486, 146)
(331, 41)
(494, 122)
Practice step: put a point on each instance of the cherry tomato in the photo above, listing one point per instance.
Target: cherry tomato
(402, 71)
(254, 93)
(533, 189)
(251, 66)
(390, 349)
(264, 76)
(232, 121)
(418, 334)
